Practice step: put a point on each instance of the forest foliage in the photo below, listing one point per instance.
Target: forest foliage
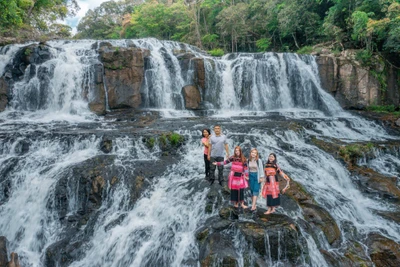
(225, 26)
(252, 25)
(27, 17)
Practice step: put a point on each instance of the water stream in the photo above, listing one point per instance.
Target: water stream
(48, 134)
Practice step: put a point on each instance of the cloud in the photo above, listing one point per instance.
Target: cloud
(85, 5)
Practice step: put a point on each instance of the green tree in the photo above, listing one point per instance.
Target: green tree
(104, 22)
(232, 23)
(360, 21)
(157, 20)
(11, 13)
(37, 14)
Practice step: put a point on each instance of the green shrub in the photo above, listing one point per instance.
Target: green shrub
(175, 139)
(305, 50)
(381, 77)
(365, 57)
(28, 52)
(217, 52)
(150, 142)
(383, 109)
(263, 44)
(351, 153)
(162, 140)
(336, 52)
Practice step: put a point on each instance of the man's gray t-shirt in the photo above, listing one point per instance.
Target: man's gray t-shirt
(218, 145)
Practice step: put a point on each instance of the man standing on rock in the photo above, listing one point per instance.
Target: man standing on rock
(217, 144)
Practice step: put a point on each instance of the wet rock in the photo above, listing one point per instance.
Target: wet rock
(103, 45)
(315, 215)
(185, 62)
(327, 67)
(372, 182)
(3, 94)
(218, 249)
(97, 104)
(30, 55)
(3, 251)
(279, 233)
(106, 146)
(124, 70)
(394, 216)
(354, 256)
(398, 122)
(200, 73)
(355, 253)
(28, 59)
(383, 251)
(261, 237)
(215, 199)
(321, 219)
(98, 73)
(5, 182)
(355, 86)
(62, 253)
(202, 233)
(299, 193)
(369, 181)
(352, 85)
(192, 96)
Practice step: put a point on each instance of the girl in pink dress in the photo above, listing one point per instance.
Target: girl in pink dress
(237, 181)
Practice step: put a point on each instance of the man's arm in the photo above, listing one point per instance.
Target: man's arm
(209, 150)
(227, 150)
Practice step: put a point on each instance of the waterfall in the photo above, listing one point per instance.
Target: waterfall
(52, 159)
(29, 217)
(55, 89)
(236, 82)
(157, 230)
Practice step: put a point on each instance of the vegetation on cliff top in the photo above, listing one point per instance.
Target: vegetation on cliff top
(250, 25)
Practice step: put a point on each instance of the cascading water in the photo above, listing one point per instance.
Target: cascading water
(159, 229)
(28, 214)
(56, 89)
(47, 168)
(255, 82)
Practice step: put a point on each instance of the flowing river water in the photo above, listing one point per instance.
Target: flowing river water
(270, 101)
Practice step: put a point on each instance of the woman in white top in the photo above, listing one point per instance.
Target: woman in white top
(255, 177)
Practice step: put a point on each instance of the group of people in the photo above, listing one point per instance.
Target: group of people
(244, 172)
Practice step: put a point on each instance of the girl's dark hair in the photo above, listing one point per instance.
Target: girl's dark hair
(274, 162)
(208, 130)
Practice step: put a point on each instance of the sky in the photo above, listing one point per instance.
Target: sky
(85, 5)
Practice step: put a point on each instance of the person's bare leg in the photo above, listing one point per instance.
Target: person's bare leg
(244, 206)
(254, 203)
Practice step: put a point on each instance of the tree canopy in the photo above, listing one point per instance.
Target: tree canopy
(253, 25)
(241, 25)
(40, 15)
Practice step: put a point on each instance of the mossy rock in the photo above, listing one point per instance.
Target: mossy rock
(383, 251)
(218, 250)
(276, 236)
(321, 219)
